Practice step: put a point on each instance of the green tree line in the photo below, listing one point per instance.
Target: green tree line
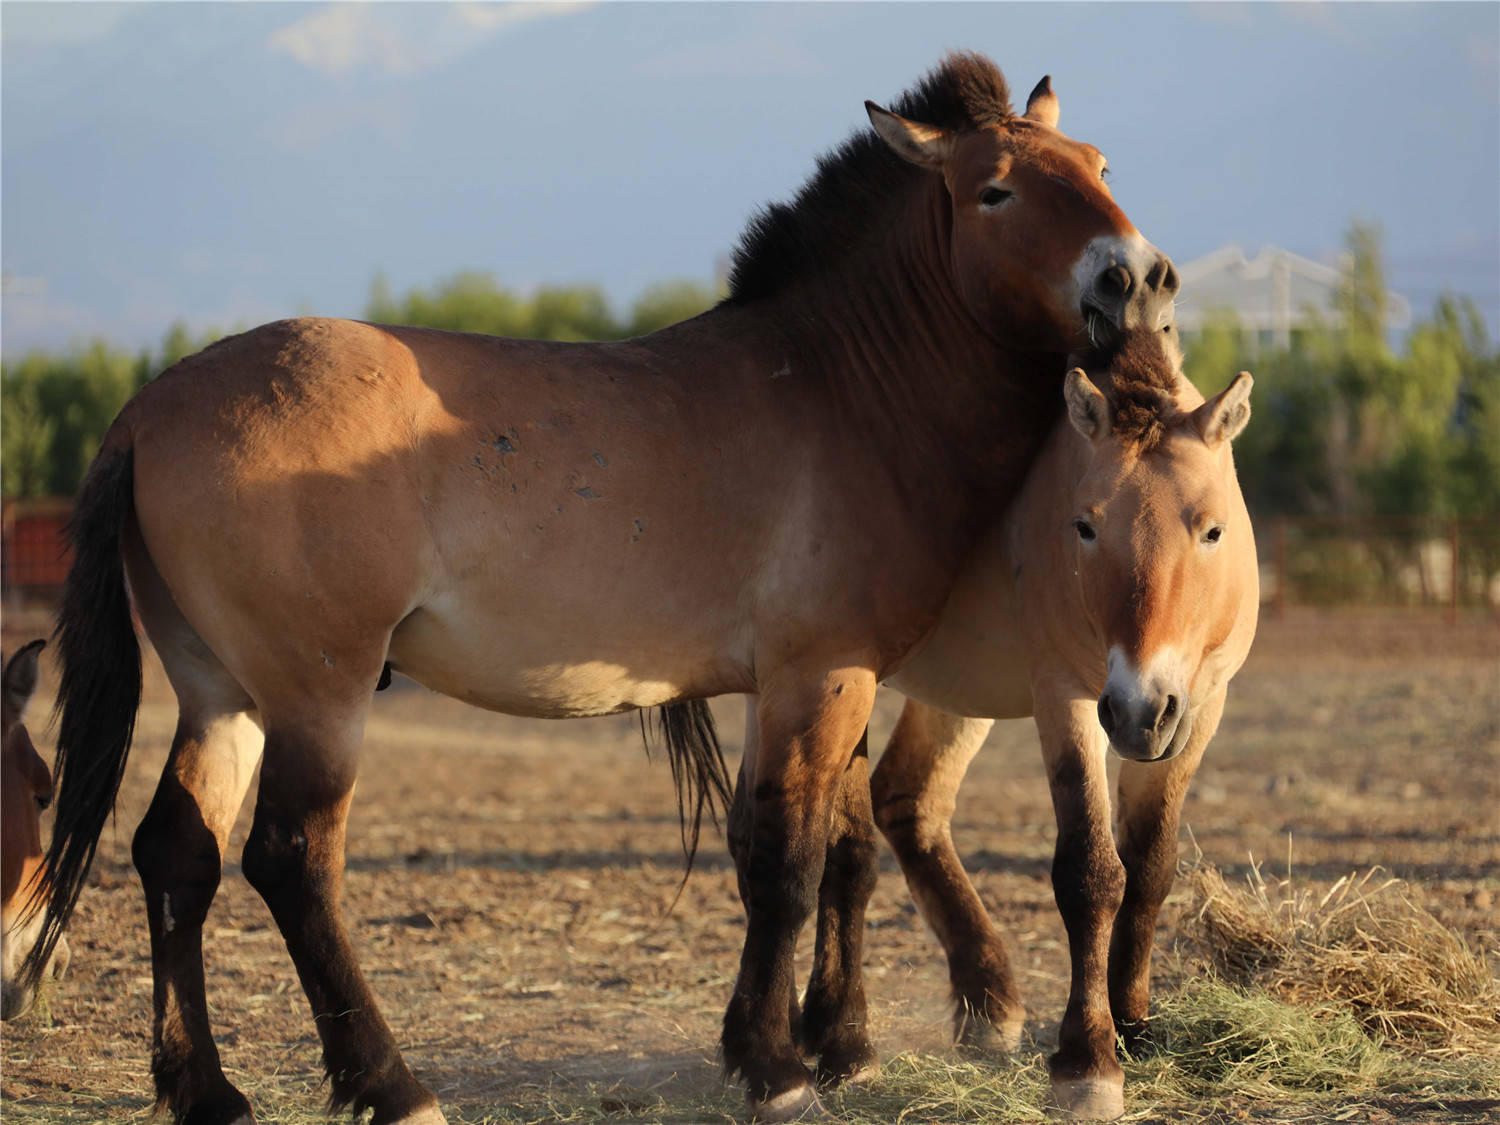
(1344, 424)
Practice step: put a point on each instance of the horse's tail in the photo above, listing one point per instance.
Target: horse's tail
(698, 770)
(100, 689)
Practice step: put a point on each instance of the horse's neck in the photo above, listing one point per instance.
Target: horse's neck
(901, 370)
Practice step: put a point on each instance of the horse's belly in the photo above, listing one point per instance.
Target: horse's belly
(994, 684)
(975, 663)
(505, 663)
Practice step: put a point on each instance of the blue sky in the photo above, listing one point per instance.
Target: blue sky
(226, 164)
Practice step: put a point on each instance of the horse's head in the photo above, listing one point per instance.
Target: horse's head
(25, 790)
(1161, 546)
(1038, 250)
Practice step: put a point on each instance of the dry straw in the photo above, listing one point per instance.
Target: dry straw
(1408, 979)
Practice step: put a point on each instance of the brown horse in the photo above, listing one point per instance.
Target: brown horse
(773, 498)
(25, 792)
(1113, 603)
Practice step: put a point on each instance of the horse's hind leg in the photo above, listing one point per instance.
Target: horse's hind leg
(834, 1013)
(915, 788)
(179, 851)
(1146, 818)
(295, 859)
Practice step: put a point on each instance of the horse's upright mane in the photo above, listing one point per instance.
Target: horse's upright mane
(842, 203)
(1139, 376)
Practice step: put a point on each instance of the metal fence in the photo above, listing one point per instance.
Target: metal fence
(1380, 561)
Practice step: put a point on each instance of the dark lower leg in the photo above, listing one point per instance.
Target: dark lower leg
(178, 858)
(1149, 808)
(738, 830)
(1149, 854)
(1089, 883)
(780, 895)
(834, 1019)
(295, 858)
(810, 721)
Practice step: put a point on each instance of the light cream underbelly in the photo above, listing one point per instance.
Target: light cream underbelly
(975, 663)
(563, 665)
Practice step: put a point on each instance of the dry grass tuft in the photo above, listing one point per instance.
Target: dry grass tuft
(1407, 978)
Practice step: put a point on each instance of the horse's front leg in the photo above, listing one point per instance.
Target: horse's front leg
(915, 788)
(835, 1030)
(1089, 883)
(1146, 818)
(834, 1013)
(738, 832)
(810, 724)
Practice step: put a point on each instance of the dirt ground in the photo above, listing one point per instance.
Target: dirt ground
(508, 879)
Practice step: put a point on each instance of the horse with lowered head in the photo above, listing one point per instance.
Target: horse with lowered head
(773, 498)
(1113, 603)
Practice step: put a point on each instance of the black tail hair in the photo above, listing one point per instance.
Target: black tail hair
(99, 693)
(698, 770)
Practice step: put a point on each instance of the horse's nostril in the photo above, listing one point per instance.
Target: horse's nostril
(1115, 282)
(1168, 712)
(1106, 715)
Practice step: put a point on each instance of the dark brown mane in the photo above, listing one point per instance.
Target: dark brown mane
(1139, 377)
(856, 183)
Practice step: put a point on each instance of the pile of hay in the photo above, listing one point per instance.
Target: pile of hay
(1407, 978)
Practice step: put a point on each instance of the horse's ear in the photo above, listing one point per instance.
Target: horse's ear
(926, 146)
(1088, 409)
(1222, 417)
(21, 677)
(1042, 105)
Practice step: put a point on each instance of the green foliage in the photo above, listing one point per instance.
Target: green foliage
(55, 409)
(1345, 426)
(475, 302)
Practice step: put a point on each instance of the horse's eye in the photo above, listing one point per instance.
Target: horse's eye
(1085, 530)
(1213, 535)
(1104, 174)
(43, 801)
(993, 196)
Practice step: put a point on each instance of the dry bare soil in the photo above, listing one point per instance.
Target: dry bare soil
(508, 883)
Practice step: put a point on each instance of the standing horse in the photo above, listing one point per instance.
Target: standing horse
(772, 498)
(25, 792)
(1113, 602)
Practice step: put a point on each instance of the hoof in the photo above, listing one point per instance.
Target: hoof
(797, 1104)
(1089, 1099)
(982, 1037)
(852, 1064)
(855, 1074)
(427, 1115)
(863, 1074)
